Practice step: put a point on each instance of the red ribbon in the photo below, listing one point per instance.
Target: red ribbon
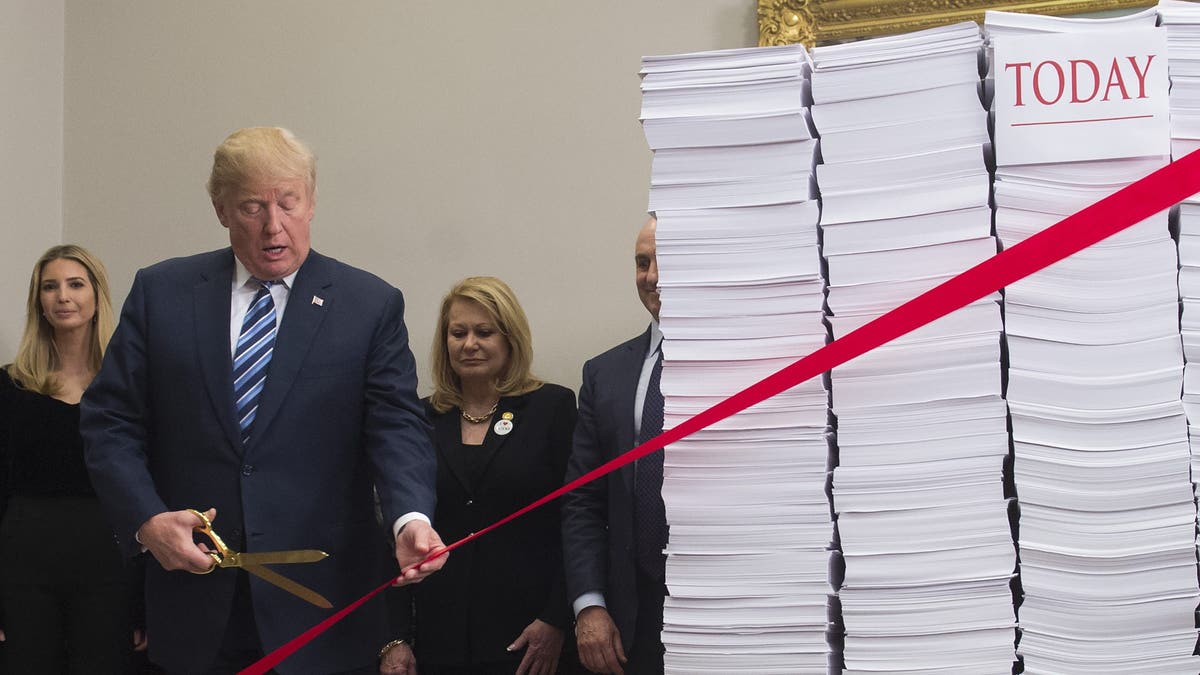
(1130, 205)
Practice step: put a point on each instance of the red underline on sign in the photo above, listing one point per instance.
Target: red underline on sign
(1131, 204)
(1098, 119)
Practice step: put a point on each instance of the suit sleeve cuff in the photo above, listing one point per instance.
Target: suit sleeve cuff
(589, 599)
(406, 519)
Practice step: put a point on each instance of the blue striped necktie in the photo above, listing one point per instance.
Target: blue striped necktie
(252, 356)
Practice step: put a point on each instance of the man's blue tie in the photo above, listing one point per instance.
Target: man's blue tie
(650, 517)
(252, 356)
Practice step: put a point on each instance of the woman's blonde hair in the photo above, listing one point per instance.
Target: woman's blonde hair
(499, 301)
(37, 356)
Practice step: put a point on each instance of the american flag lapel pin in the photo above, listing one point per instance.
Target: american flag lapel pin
(318, 301)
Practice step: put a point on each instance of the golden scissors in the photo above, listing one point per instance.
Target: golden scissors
(253, 562)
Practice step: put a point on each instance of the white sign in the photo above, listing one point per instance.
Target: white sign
(1067, 98)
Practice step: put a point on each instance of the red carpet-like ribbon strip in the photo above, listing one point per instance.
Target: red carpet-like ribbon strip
(1132, 204)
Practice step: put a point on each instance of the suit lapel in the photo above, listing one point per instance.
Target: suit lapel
(301, 321)
(212, 297)
(448, 436)
(630, 371)
(514, 408)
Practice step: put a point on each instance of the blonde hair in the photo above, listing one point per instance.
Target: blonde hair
(499, 301)
(257, 154)
(37, 355)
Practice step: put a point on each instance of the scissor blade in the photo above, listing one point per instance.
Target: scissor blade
(281, 557)
(288, 585)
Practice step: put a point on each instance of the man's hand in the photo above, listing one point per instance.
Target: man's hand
(599, 641)
(542, 644)
(398, 660)
(168, 537)
(414, 543)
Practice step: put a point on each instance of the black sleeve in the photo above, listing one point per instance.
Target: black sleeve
(135, 587)
(585, 509)
(558, 610)
(6, 386)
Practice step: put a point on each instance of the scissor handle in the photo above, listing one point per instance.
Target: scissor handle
(205, 527)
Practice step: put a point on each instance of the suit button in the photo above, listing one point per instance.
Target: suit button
(470, 502)
(247, 470)
(236, 532)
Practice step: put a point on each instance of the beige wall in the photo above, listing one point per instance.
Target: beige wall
(31, 150)
(453, 138)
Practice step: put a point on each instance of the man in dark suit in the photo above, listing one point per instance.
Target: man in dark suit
(614, 528)
(275, 385)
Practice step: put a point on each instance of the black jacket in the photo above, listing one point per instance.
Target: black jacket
(495, 586)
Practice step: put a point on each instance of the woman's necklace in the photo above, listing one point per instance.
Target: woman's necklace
(479, 419)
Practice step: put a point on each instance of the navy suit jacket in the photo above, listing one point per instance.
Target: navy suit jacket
(339, 414)
(598, 545)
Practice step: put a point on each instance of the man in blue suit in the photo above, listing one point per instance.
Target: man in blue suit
(614, 528)
(324, 411)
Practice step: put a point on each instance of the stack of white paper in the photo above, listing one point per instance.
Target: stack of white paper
(1182, 21)
(921, 432)
(729, 129)
(742, 296)
(1101, 460)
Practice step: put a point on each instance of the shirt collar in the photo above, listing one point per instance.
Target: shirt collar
(242, 276)
(656, 337)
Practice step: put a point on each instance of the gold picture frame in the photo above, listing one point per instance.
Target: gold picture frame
(813, 22)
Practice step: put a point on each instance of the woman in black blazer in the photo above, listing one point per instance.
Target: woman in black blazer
(503, 438)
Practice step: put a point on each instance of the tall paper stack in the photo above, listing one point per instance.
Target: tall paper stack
(921, 426)
(741, 289)
(1101, 460)
(1182, 21)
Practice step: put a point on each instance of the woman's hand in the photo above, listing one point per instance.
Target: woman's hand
(542, 644)
(398, 659)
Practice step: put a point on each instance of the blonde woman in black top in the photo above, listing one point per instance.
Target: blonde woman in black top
(502, 437)
(63, 594)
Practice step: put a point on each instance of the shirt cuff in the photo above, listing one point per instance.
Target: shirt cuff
(589, 599)
(406, 519)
